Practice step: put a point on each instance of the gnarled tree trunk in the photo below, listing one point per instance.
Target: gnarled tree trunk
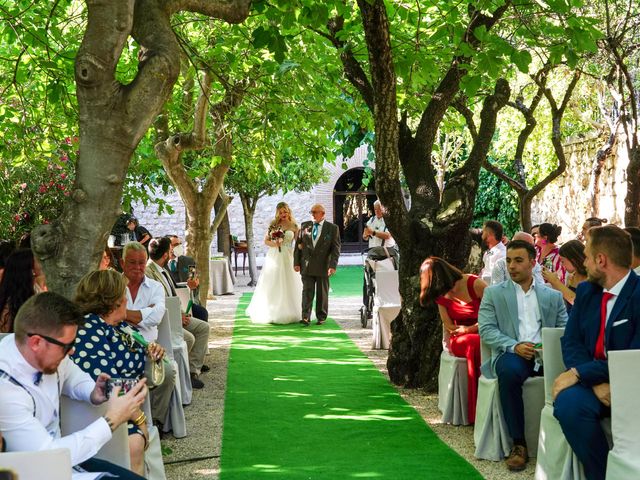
(249, 209)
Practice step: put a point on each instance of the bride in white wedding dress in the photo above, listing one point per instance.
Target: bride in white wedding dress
(278, 294)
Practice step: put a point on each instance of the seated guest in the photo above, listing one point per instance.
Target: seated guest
(511, 317)
(6, 247)
(605, 317)
(101, 296)
(492, 237)
(17, 285)
(107, 260)
(535, 232)
(35, 370)
(195, 331)
(145, 309)
(500, 273)
(547, 253)
(572, 259)
(635, 240)
(589, 223)
(178, 267)
(458, 298)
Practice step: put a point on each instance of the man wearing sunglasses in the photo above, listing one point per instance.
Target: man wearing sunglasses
(35, 369)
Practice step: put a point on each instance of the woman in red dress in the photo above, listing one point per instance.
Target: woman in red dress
(458, 297)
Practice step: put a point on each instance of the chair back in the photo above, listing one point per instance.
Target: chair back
(552, 359)
(485, 352)
(164, 333)
(76, 415)
(52, 464)
(624, 458)
(184, 294)
(175, 320)
(387, 288)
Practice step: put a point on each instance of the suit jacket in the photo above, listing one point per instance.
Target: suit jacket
(153, 272)
(182, 268)
(498, 321)
(316, 261)
(622, 331)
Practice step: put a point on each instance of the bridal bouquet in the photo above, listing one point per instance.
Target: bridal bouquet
(275, 234)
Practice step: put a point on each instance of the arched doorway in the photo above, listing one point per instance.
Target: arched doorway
(352, 207)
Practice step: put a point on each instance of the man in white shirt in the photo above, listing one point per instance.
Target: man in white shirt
(511, 317)
(492, 237)
(500, 273)
(376, 230)
(145, 309)
(35, 369)
(195, 331)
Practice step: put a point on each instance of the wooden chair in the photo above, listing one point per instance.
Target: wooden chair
(239, 247)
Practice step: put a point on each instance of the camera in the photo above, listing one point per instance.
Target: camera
(126, 384)
(192, 272)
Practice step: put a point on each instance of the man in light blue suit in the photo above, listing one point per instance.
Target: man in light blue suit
(511, 317)
(605, 317)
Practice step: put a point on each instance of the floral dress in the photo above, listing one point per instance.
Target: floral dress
(552, 263)
(101, 347)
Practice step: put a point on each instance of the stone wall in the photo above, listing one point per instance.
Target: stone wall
(567, 200)
(300, 204)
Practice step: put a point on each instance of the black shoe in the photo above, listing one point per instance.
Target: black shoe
(204, 369)
(320, 322)
(196, 382)
(305, 322)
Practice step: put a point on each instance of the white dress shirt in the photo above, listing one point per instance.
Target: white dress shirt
(320, 224)
(378, 225)
(615, 291)
(490, 258)
(24, 431)
(150, 292)
(529, 317)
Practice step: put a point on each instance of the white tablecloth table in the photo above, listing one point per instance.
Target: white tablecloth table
(220, 281)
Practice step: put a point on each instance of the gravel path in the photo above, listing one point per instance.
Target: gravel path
(205, 414)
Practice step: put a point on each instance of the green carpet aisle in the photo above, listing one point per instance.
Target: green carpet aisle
(347, 282)
(305, 403)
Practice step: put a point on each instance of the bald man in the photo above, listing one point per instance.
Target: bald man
(500, 274)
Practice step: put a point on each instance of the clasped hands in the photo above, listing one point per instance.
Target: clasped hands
(569, 378)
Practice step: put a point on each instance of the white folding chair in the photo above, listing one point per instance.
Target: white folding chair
(76, 415)
(386, 306)
(184, 294)
(179, 347)
(556, 460)
(175, 416)
(490, 432)
(153, 463)
(50, 464)
(452, 386)
(624, 457)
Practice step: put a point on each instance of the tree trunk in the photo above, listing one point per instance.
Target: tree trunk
(632, 200)
(224, 230)
(249, 208)
(113, 118)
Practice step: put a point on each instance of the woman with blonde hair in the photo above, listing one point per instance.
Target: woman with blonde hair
(103, 345)
(276, 298)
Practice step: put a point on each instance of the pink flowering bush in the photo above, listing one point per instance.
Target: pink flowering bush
(34, 192)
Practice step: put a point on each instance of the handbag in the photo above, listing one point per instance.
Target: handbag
(153, 369)
(153, 372)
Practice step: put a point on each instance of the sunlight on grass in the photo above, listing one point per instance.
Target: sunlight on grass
(360, 418)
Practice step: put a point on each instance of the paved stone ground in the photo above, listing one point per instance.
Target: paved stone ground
(205, 414)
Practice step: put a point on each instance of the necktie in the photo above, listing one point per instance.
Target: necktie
(599, 352)
(172, 265)
(314, 232)
(37, 378)
(169, 282)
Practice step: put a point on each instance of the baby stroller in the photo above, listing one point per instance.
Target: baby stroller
(376, 258)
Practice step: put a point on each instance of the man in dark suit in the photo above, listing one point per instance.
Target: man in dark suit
(316, 258)
(511, 317)
(605, 316)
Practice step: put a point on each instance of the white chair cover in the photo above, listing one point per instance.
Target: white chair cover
(180, 350)
(175, 416)
(50, 464)
(153, 463)
(184, 294)
(386, 307)
(76, 415)
(556, 460)
(490, 433)
(624, 459)
(452, 389)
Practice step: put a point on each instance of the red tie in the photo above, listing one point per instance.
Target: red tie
(599, 353)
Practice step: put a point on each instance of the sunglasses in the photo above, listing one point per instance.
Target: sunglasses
(65, 346)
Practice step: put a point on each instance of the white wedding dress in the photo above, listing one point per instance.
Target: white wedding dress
(278, 294)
